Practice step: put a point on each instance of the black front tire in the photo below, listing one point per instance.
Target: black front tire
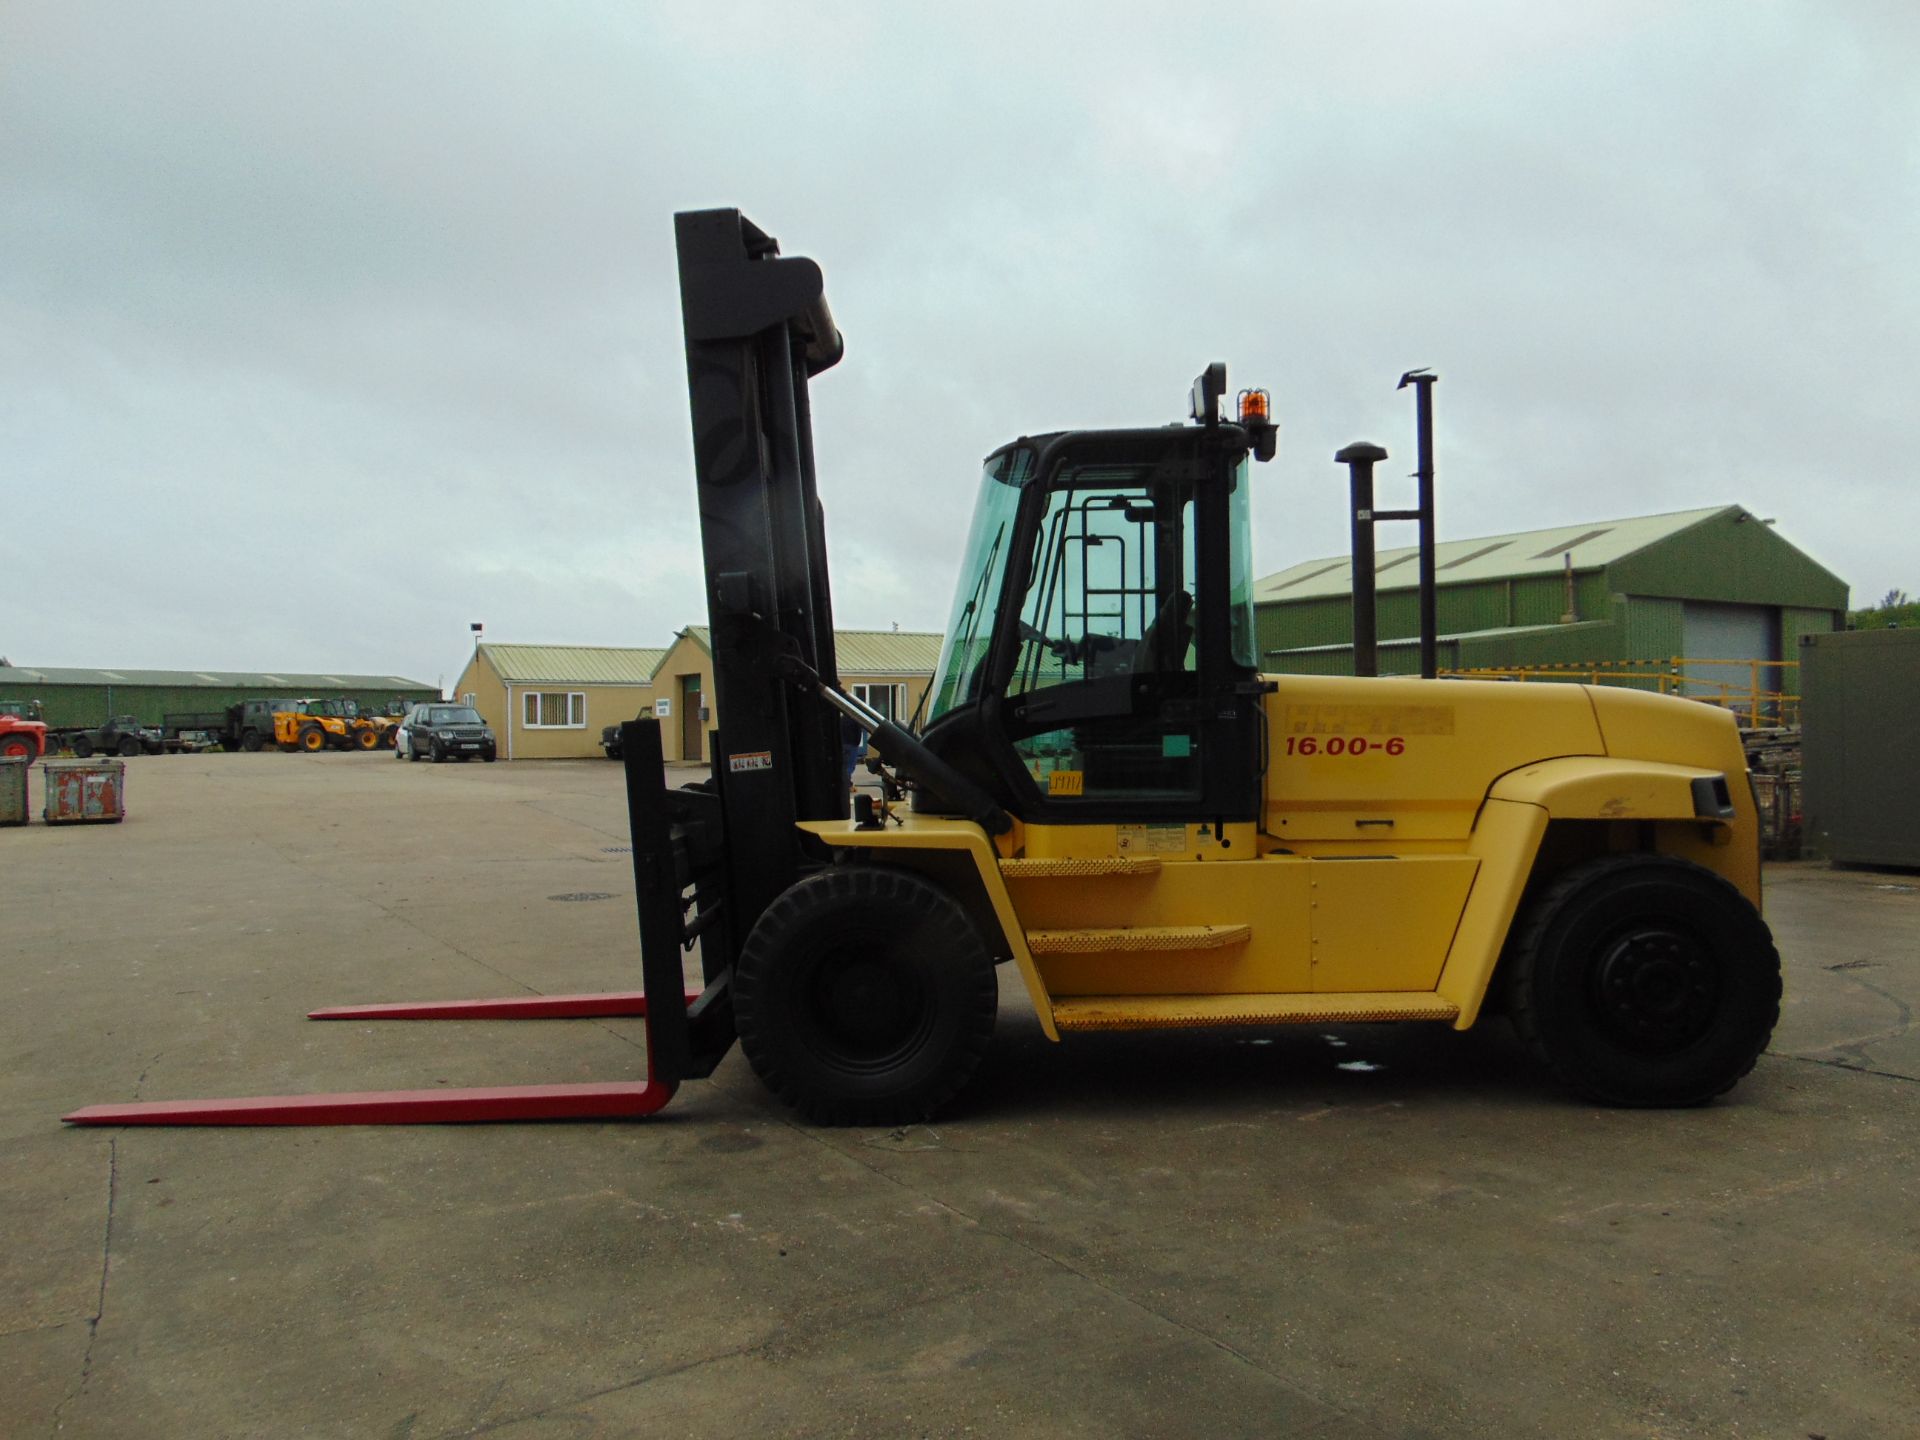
(83, 749)
(129, 747)
(1645, 980)
(865, 996)
(250, 741)
(439, 753)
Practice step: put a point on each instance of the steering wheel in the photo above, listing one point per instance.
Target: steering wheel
(1064, 649)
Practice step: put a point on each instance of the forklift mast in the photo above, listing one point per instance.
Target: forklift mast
(757, 331)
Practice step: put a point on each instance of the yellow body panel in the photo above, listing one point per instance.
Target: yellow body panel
(1598, 788)
(1402, 823)
(1385, 924)
(1385, 763)
(1504, 843)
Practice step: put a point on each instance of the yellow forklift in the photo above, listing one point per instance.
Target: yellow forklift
(1109, 802)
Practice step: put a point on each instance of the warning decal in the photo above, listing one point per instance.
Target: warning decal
(1308, 719)
(1151, 839)
(751, 760)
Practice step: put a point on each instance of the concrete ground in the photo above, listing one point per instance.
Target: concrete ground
(1368, 1232)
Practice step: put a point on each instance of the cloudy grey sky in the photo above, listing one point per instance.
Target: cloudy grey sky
(326, 329)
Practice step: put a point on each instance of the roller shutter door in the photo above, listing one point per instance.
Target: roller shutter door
(1733, 633)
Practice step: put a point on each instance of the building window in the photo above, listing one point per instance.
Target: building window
(889, 700)
(556, 710)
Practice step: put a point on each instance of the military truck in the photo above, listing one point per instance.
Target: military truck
(120, 735)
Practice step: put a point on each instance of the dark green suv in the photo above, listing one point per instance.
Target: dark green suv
(448, 732)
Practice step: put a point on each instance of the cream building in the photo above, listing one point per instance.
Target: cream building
(550, 702)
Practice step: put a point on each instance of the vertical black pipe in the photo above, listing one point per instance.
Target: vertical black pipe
(1423, 382)
(1360, 458)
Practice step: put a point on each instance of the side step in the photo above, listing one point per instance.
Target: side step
(1079, 869)
(1198, 1012)
(1137, 938)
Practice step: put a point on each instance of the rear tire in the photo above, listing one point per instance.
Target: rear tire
(250, 741)
(129, 747)
(865, 996)
(1645, 980)
(366, 739)
(83, 748)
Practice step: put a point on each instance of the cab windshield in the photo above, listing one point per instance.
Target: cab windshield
(983, 567)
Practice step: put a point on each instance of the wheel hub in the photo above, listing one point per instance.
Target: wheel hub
(867, 1007)
(1657, 990)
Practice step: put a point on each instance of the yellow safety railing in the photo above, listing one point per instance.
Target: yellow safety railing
(1769, 696)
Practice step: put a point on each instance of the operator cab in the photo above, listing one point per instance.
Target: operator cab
(1100, 662)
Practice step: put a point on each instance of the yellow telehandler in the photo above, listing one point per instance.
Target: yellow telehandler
(306, 725)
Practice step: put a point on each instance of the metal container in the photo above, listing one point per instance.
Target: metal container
(13, 789)
(1861, 751)
(85, 792)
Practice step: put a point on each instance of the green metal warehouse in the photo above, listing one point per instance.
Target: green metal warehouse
(89, 697)
(1711, 584)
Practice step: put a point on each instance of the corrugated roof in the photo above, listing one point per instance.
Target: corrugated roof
(1489, 557)
(860, 652)
(886, 652)
(205, 680)
(868, 652)
(572, 664)
(1413, 641)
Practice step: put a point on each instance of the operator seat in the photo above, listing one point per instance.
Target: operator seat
(1164, 646)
